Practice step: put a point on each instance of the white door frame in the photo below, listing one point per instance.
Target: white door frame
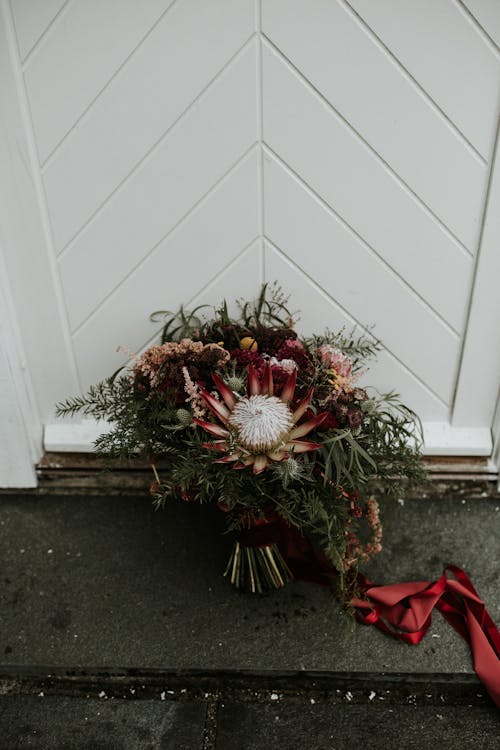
(479, 374)
(36, 363)
(21, 443)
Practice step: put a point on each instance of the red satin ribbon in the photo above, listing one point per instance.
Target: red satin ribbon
(402, 610)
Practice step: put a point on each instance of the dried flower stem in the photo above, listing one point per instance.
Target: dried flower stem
(155, 473)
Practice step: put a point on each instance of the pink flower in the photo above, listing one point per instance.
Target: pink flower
(335, 360)
(287, 365)
(293, 344)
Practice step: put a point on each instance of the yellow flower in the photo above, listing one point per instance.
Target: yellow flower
(248, 343)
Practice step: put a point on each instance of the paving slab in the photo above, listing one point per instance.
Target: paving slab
(63, 723)
(324, 727)
(108, 582)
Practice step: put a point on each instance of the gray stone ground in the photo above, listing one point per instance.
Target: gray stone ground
(91, 584)
(62, 723)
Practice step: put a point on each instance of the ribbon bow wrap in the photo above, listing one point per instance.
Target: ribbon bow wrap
(402, 610)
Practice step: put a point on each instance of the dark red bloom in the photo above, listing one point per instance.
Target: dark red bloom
(290, 350)
(355, 418)
(245, 357)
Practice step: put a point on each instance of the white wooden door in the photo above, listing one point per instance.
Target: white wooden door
(176, 151)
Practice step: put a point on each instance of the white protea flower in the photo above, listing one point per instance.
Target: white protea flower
(261, 427)
(262, 422)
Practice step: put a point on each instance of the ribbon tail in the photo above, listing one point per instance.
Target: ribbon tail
(486, 659)
(404, 611)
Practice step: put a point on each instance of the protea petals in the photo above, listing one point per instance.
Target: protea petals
(260, 463)
(268, 386)
(225, 391)
(302, 406)
(228, 459)
(216, 445)
(244, 462)
(279, 455)
(301, 446)
(217, 407)
(212, 428)
(259, 428)
(253, 382)
(288, 391)
(308, 426)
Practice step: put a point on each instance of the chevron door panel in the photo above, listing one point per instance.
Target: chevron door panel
(31, 21)
(350, 273)
(162, 77)
(186, 150)
(486, 14)
(206, 242)
(318, 310)
(360, 80)
(187, 163)
(465, 70)
(316, 144)
(90, 41)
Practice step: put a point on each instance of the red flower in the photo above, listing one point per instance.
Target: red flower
(261, 427)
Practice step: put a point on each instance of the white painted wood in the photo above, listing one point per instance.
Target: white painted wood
(164, 76)
(479, 379)
(446, 57)
(16, 462)
(496, 440)
(311, 235)
(319, 311)
(29, 263)
(196, 254)
(196, 154)
(79, 56)
(20, 426)
(441, 439)
(325, 152)
(487, 14)
(32, 18)
(382, 104)
(60, 437)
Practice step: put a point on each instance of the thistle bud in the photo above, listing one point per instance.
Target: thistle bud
(369, 406)
(184, 417)
(235, 383)
(293, 468)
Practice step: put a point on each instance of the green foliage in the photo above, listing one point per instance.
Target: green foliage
(105, 400)
(179, 325)
(269, 310)
(140, 425)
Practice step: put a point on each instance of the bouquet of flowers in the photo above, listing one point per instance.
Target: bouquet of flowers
(273, 428)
